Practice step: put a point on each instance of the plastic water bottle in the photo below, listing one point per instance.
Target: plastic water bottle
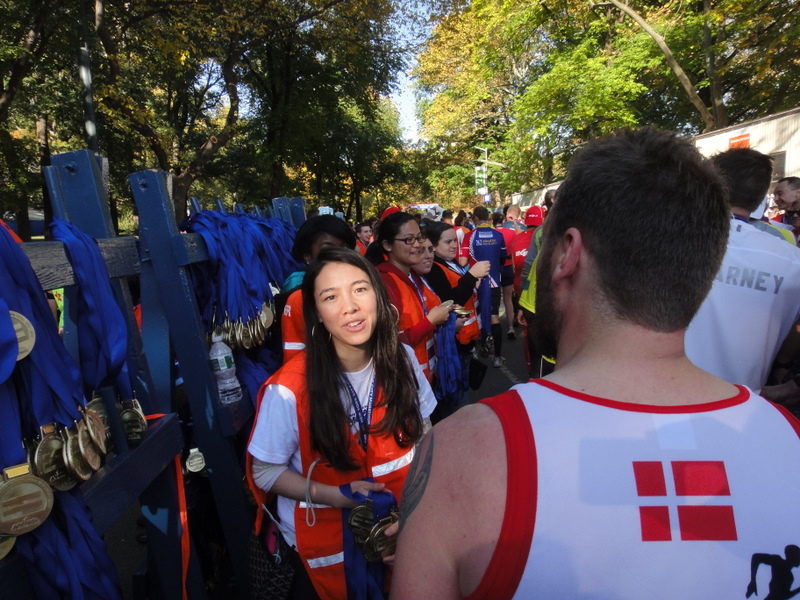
(220, 359)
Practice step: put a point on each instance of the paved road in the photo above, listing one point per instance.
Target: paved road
(501, 379)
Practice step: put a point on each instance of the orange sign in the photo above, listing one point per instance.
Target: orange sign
(740, 141)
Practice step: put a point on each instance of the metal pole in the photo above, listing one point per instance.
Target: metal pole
(85, 72)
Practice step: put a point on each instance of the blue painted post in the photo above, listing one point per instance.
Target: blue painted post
(169, 251)
(297, 209)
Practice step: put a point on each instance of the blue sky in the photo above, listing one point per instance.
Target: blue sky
(404, 98)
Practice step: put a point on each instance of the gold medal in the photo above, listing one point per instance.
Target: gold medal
(26, 334)
(267, 316)
(133, 421)
(25, 501)
(48, 460)
(73, 457)
(98, 406)
(247, 335)
(86, 446)
(360, 522)
(379, 545)
(6, 544)
(96, 428)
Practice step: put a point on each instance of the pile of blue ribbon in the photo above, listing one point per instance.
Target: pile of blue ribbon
(248, 259)
(451, 380)
(64, 556)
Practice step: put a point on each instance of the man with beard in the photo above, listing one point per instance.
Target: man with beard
(628, 472)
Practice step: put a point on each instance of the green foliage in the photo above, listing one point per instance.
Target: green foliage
(535, 80)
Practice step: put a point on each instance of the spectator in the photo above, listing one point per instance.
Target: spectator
(420, 310)
(363, 237)
(453, 282)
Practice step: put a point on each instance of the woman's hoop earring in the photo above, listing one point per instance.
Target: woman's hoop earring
(330, 335)
(396, 313)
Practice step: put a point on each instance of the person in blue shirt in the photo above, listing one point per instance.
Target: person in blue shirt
(486, 243)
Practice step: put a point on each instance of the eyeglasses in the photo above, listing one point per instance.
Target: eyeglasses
(410, 240)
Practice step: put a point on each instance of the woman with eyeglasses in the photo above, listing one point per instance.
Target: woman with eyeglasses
(337, 424)
(420, 309)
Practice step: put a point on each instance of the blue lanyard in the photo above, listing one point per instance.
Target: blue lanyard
(364, 415)
(419, 293)
(64, 555)
(8, 343)
(102, 332)
(56, 381)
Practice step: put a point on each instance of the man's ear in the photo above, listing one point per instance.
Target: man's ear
(567, 255)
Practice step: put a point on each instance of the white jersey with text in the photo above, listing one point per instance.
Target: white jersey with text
(752, 305)
(628, 501)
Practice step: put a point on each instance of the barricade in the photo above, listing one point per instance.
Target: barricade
(171, 334)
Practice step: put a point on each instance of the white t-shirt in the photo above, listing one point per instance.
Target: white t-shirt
(276, 438)
(752, 305)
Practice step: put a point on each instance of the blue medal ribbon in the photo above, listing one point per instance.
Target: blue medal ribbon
(12, 451)
(9, 348)
(449, 378)
(55, 379)
(102, 332)
(365, 580)
(485, 305)
(64, 557)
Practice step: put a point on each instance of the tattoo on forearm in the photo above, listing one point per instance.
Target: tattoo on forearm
(417, 479)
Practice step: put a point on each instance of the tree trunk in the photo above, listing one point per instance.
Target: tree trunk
(43, 143)
(705, 114)
(715, 85)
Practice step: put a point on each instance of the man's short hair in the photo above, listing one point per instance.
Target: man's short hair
(447, 214)
(792, 182)
(361, 226)
(481, 213)
(653, 215)
(747, 174)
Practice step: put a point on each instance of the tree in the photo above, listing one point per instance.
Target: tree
(560, 72)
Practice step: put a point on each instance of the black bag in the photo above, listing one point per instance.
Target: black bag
(477, 371)
(271, 564)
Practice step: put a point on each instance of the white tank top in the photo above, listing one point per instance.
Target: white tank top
(634, 502)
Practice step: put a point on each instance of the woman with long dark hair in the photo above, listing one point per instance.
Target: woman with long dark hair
(420, 309)
(338, 422)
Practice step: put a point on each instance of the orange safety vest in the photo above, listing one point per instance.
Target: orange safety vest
(471, 331)
(321, 546)
(293, 326)
(411, 313)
